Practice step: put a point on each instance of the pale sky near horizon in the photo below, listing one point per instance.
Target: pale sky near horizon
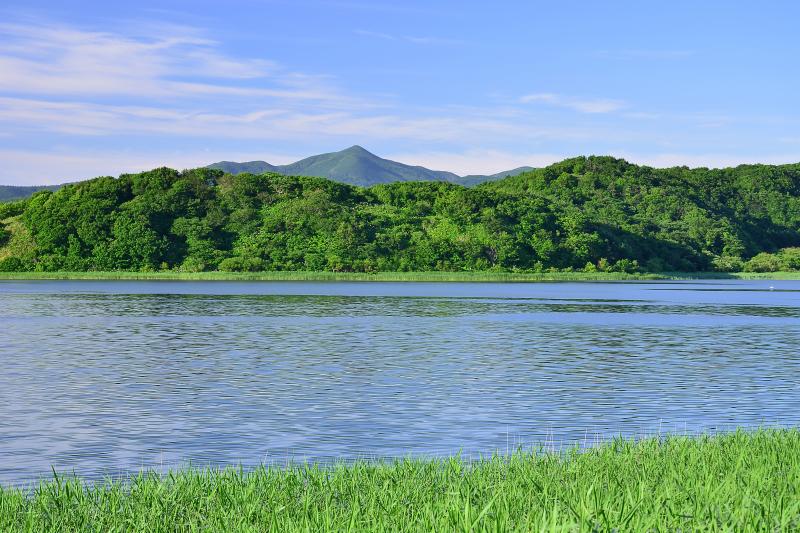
(102, 88)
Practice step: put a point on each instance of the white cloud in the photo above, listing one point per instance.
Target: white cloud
(591, 105)
(175, 87)
(287, 122)
(64, 61)
(56, 78)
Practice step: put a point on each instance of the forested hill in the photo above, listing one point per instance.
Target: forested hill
(583, 213)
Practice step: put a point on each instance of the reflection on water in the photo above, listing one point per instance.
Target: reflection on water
(107, 377)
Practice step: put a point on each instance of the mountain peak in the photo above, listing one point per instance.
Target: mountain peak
(358, 150)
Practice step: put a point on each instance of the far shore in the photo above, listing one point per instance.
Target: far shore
(496, 277)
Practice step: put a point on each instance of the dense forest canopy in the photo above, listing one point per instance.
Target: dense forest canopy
(585, 213)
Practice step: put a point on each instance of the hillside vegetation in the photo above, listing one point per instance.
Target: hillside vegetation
(586, 213)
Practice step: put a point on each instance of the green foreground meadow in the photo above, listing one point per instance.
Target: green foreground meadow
(395, 276)
(742, 481)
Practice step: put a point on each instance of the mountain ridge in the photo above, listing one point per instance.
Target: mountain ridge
(358, 166)
(9, 193)
(354, 166)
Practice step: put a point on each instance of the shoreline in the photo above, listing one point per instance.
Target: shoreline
(649, 484)
(489, 277)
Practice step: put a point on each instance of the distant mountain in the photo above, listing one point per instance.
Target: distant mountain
(474, 179)
(18, 192)
(252, 167)
(354, 165)
(358, 166)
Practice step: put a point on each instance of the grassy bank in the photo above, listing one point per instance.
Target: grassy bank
(736, 482)
(395, 276)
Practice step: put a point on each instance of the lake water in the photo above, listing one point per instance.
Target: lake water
(104, 378)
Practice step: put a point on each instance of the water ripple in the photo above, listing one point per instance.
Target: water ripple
(129, 375)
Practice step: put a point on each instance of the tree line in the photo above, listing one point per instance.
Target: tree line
(586, 213)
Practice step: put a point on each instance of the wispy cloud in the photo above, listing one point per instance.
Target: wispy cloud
(376, 34)
(643, 115)
(62, 60)
(432, 40)
(644, 54)
(582, 105)
(70, 81)
(415, 39)
(381, 7)
(171, 86)
(88, 118)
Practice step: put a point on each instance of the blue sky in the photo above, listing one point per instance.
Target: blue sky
(101, 88)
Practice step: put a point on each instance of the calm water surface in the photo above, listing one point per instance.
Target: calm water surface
(104, 378)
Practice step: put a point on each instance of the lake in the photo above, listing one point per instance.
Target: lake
(104, 378)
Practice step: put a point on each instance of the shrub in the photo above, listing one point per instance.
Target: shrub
(625, 265)
(12, 209)
(242, 264)
(763, 262)
(13, 264)
(655, 264)
(193, 264)
(790, 258)
(728, 263)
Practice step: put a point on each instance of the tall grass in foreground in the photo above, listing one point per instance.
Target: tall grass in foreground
(737, 482)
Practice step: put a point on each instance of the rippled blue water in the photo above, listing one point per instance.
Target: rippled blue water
(104, 378)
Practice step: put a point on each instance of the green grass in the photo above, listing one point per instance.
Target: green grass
(395, 276)
(743, 481)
